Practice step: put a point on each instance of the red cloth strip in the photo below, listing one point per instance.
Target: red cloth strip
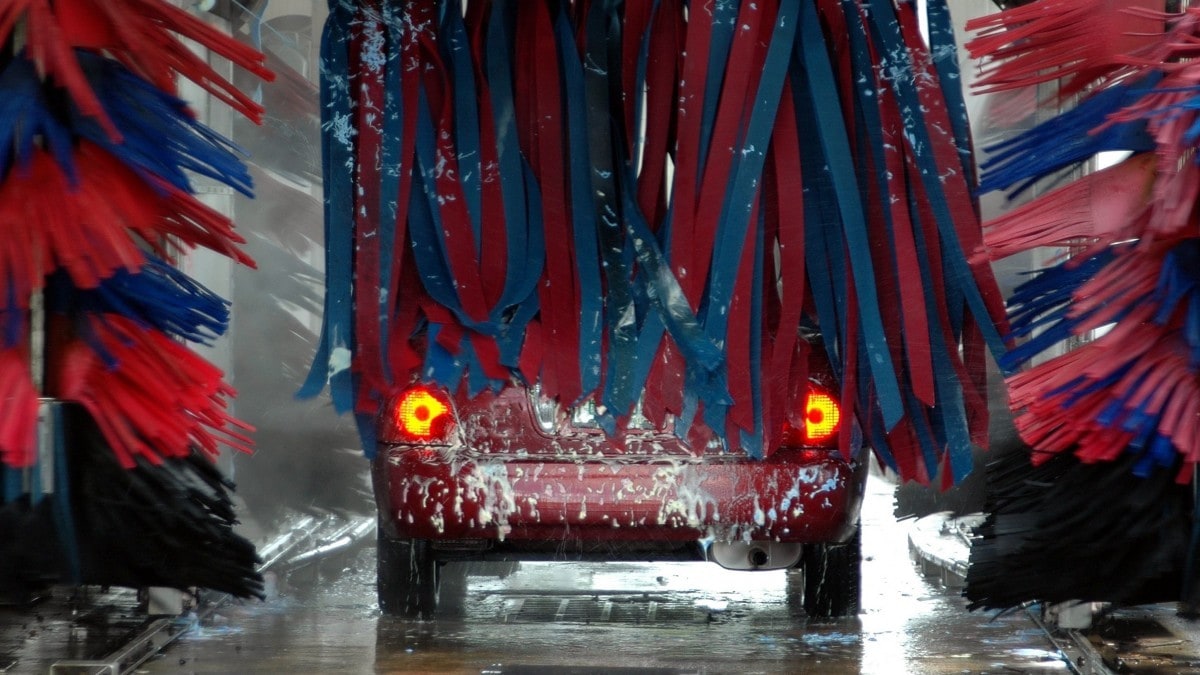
(962, 206)
(737, 96)
(737, 344)
(493, 263)
(559, 289)
(402, 277)
(785, 170)
(367, 88)
(688, 115)
(404, 356)
(914, 312)
(662, 91)
(688, 112)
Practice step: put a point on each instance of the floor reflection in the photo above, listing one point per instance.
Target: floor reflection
(621, 617)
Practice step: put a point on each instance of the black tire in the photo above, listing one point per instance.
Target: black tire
(406, 577)
(833, 579)
(452, 587)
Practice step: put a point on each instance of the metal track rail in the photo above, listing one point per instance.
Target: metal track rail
(1076, 651)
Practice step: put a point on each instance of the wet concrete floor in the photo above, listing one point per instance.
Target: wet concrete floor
(65, 624)
(620, 618)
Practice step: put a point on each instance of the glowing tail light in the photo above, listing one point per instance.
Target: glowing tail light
(822, 417)
(817, 425)
(420, 414)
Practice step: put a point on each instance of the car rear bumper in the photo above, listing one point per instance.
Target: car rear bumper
(422, 494)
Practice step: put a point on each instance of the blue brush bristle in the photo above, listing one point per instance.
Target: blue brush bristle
(1068, 139)
(1039, 307)
(1178, 290)
(27, 121)
(160, 135)
(1179, 279)
(159, 296)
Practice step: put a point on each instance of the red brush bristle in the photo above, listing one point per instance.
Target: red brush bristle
(145, 35)
(88, 228)
(1106, 205)
(1078, 41)
(157, 399)
(50, 223)
(18, 410)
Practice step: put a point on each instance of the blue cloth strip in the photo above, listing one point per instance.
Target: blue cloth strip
(724, 24)
(887, 35)
(743, 188)
(943, 49)
(950, 413)
(522, 199)
(391, 163)
(752, 440)
(331, 364)
(426, 227)
(583, 211)
(602, 29)
(455, 46)
(837, 153)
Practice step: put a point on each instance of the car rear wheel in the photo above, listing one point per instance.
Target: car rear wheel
(833, 579)
(406, 577)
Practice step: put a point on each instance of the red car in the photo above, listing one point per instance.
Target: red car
(513, 476)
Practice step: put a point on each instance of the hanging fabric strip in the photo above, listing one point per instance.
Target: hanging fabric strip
(604, 146)
(689, 115)
(551, 244)
(956, 185)
(915, 449)
(660, 62)
(881, 125)
(521, 222)
(978, 287)
(943, 50)
(390, 110)
(584, 217)
(559, 293)
(455, 51)
(837, 152)
(635, 23)
(368, 60)
(657, 90)
(742, 190)
(331, 364)
(786, 170)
